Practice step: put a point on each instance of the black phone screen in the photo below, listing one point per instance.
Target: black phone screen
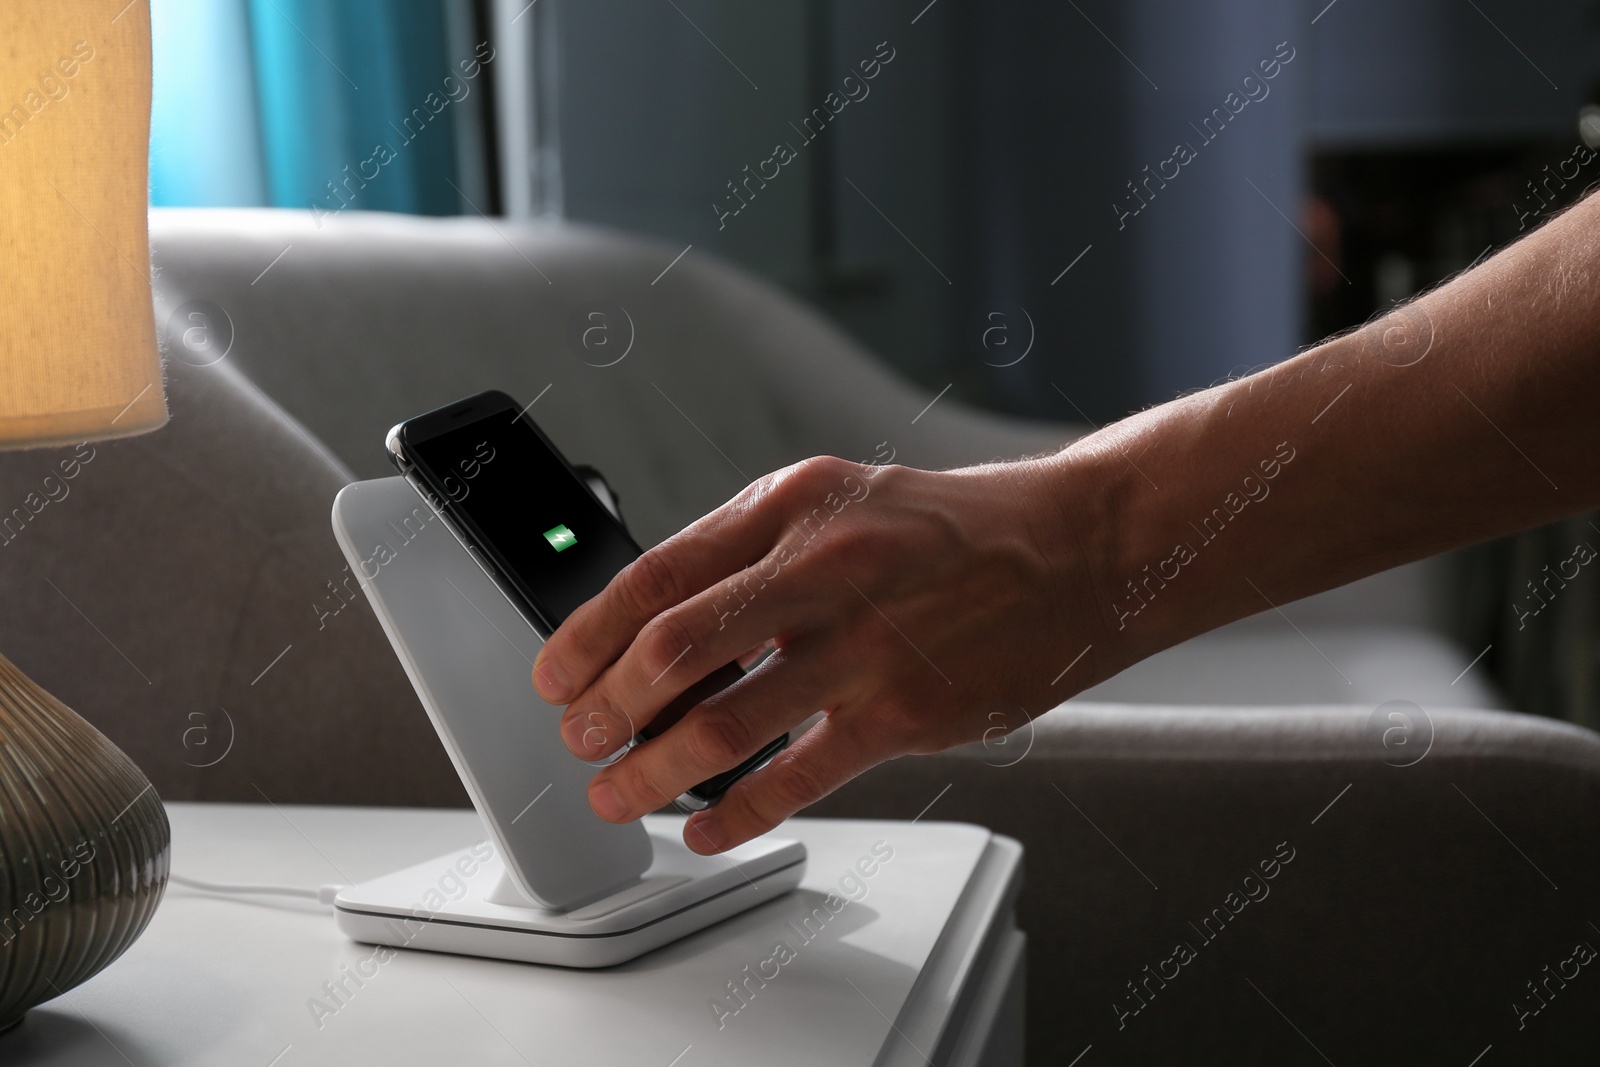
(526, 509)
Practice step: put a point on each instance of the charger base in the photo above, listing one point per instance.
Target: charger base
(458, 903)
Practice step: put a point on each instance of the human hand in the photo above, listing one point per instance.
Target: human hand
(908, 605)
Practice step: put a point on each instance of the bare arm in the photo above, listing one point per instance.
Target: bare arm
(1473, 412)
(914, 606)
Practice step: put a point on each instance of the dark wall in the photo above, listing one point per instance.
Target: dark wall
(1446, 71)
(935, 216)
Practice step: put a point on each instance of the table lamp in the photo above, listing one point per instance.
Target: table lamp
(84, 840)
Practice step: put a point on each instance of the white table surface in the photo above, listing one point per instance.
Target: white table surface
(231, 980)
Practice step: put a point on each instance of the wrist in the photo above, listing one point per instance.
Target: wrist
(1196, 539)
(1082, 500)
(1137, 501)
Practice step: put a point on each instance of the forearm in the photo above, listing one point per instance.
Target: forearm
(1468, 414)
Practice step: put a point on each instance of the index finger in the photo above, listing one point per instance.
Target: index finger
(689, 562)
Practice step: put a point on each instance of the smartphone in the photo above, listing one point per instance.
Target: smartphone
(538, 530)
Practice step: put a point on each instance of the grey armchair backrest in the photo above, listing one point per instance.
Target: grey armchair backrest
(681, 384)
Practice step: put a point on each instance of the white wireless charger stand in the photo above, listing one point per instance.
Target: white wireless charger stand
(552, 883)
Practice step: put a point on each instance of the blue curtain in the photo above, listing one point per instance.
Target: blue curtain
(325, 104)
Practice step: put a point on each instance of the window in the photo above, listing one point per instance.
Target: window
(326, 105)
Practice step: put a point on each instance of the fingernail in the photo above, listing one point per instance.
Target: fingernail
(550, 682)
(577, 736)
(705, 837)
(607, 802)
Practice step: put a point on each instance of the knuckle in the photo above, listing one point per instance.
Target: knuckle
(652, 582)
(664, 641)
(829, 468)
(633, 780)
(719, 740)
(736, 593)
(796, 785)
(763, 489)
(768, 492)
(746, 813)
(811, 477)
(889, 477)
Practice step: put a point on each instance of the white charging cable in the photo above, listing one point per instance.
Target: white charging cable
(322, 894)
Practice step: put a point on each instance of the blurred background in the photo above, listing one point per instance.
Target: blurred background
(1143, 196)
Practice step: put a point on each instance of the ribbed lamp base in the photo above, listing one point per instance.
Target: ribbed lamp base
(84, 848)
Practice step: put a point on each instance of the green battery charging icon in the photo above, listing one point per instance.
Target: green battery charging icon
(560, 538)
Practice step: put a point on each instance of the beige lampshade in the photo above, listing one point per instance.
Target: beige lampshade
(78, 356)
